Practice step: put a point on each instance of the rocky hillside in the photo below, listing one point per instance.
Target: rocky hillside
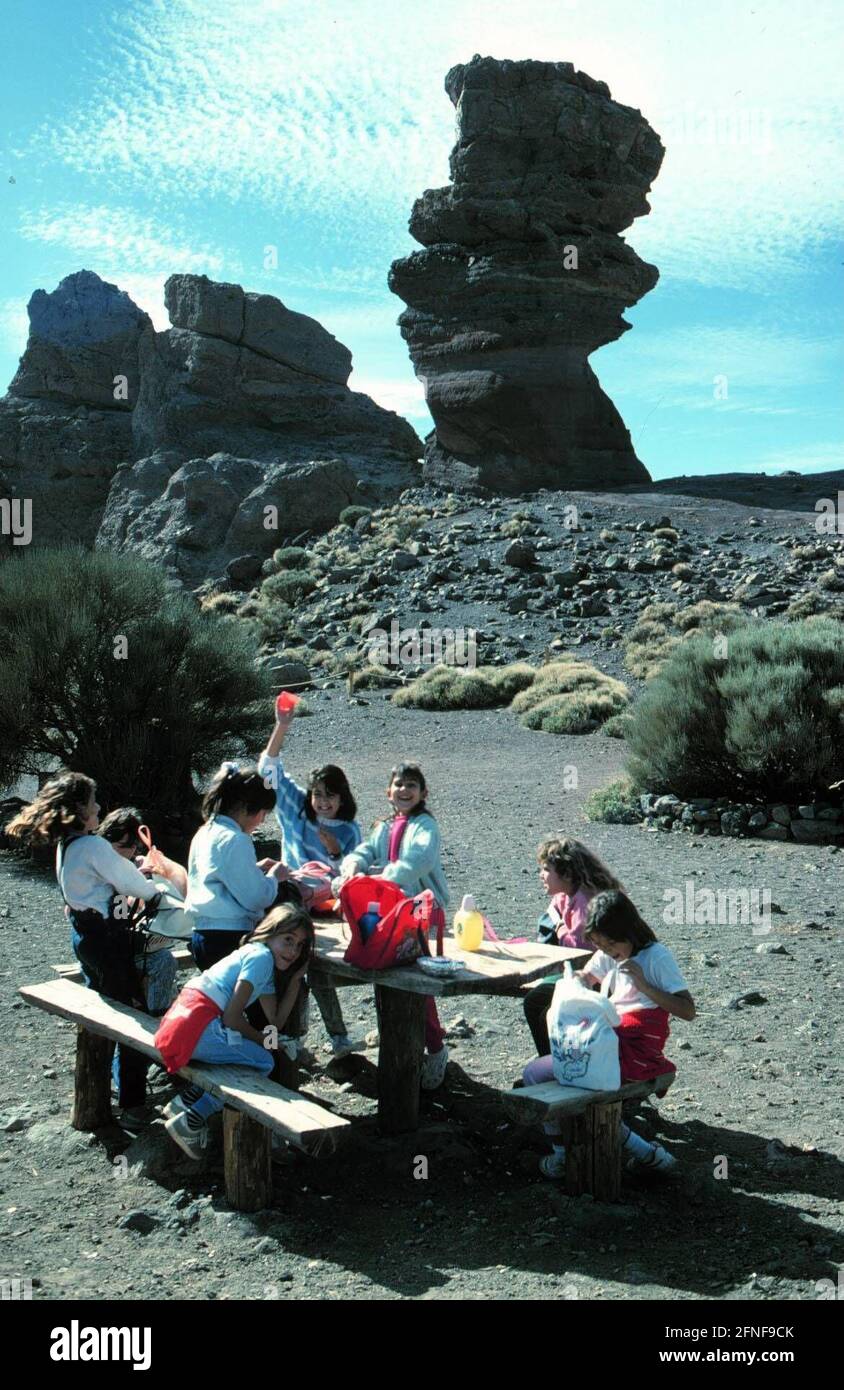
(562, 570)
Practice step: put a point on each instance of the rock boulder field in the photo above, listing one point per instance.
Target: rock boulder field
(176, 444)
(524, 274)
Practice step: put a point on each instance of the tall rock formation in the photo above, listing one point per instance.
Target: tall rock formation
(66, 424)
(524, 275)
(179, 445)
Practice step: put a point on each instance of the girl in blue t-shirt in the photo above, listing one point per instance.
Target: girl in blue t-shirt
(208, 1022)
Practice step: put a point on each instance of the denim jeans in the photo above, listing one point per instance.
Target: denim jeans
(214, 1046)
(128, 1068)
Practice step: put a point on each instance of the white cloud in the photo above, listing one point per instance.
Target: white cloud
(806, 458)
(756, 362)
(339, 111)
(14, 324)
(404, 397)
(119, 236)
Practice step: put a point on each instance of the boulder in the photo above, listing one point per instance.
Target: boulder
(193, 517)
(241, 406)
(82, 336)
(524, 274)
(63, 430)
(274, 391)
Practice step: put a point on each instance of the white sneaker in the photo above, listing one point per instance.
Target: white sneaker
(553, 1165)
(340, 1045)
(433, 1069)
(193, 1141)
(176, 1106)
(658, 1161)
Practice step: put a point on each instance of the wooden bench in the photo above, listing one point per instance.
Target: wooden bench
(255, 1107)
(591, 1123)
(72, 971)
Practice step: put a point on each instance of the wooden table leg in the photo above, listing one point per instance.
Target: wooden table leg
(593, 1153)
(402, 1022)
(286, 1071)
(247, 1161)
(92, 1081)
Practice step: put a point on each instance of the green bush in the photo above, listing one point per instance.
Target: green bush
(569, 697)
(221, 603)
(291, 557)
(287, 586)
(451, 687)
(455, 687)
(350, 515)
(763, 722)
(618, 725)
(142, 717)
(662, 625)
(373, 677)
(616, 804)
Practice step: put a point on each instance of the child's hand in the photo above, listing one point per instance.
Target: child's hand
(331, 843)
(635, 972)
(281, 872)
(267, 864)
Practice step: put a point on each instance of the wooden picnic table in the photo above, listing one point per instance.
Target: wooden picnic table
(497, 967)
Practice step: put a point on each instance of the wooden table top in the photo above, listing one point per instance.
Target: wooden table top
(495, 966)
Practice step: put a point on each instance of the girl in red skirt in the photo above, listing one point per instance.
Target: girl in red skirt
(646, 990)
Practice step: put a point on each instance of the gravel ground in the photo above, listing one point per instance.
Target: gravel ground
(758, 1086)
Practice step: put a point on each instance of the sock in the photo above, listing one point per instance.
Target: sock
(194, 1121)
(635, 1144)
(191, 1094)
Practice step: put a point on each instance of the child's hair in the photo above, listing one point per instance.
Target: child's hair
(613, 915)
(231, 788)
(122, 824)
(412, 772)
(336, 783)
(56, 810)
(287, 917)
(571, 859)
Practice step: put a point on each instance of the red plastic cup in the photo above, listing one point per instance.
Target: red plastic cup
(286, 702)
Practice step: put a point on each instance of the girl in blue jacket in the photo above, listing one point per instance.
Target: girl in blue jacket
(229, 891)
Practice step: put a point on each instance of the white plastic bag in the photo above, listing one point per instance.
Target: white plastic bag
(584, 1047)
(172, 919)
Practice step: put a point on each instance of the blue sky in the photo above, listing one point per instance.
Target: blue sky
(137, 140)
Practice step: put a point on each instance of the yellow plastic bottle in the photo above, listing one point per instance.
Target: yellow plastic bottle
(468, 925)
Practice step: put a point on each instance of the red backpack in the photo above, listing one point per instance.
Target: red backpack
(402, 931)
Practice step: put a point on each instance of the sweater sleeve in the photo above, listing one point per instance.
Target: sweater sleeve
(120, 873)
(238, 871)
(289, 796)
(362, 858)
(419, 852)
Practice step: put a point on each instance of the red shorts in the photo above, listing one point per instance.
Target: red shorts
(183, 1025)
(642, 1034)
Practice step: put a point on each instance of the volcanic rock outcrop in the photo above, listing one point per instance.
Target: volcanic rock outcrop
(524, 275)
(66, 422)
(195, 446)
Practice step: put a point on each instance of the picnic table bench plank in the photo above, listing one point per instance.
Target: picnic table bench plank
(287, 1113)
(591, 1128)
